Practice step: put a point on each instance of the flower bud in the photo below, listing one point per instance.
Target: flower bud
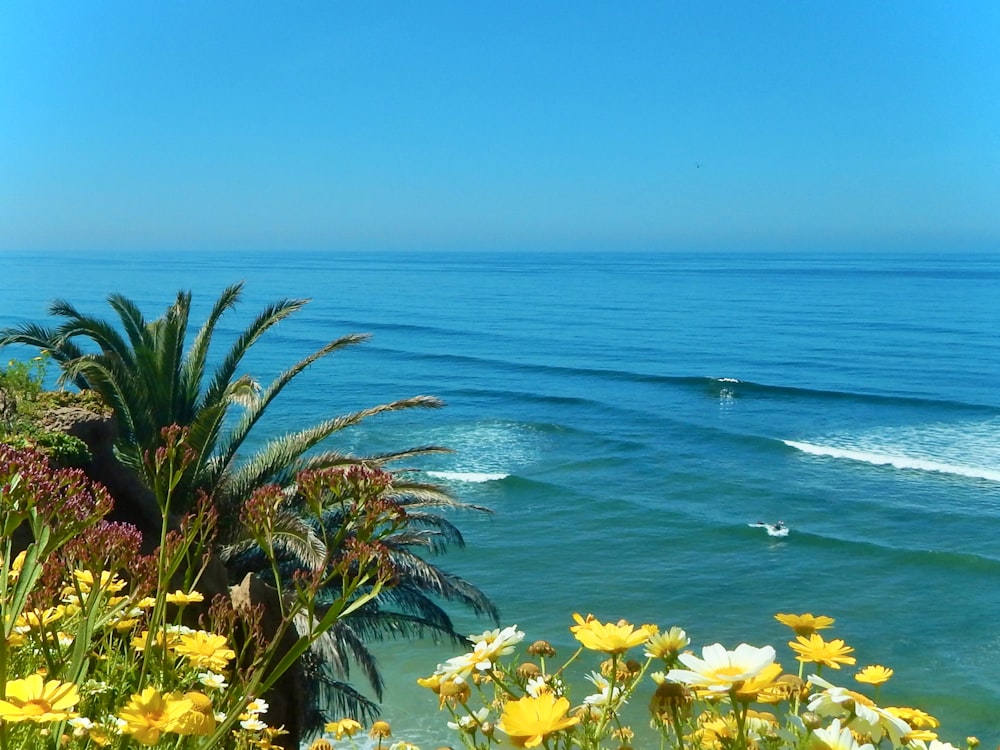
(454, 692)
(528, 670)
(811, 720)
(541, 648)
(668, 696)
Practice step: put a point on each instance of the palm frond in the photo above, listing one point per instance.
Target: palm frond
(283, 452)
(193, 369)
(340, 647)
(416, 617)
(420, 495)
(239, 433)
(383, 459)
(295, 537)
(270, 316)
(44, 338)
(132, 320)
(102, 333)
(420, 575)
(328, 699)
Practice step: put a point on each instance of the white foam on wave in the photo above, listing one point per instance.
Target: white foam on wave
(477, 477)
(896, 460)
(485, 451)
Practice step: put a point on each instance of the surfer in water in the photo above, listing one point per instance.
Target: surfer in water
(773, 529)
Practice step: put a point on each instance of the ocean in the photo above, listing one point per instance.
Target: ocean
(626, 416)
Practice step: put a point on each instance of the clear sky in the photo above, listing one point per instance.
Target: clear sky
(199, 125)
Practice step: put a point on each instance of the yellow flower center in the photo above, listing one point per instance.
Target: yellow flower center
(730, 670)
(36, 707)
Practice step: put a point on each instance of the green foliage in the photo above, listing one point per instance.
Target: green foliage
(24, 380)
(153, 378)
(22, 403)
(64, 450)
(96, 646)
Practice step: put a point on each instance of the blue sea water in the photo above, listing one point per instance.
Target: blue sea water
(625, 416)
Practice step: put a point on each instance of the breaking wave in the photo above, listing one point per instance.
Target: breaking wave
(476, 477)
(898, 461)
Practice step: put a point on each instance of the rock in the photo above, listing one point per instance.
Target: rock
(134, 502)
(286, 703)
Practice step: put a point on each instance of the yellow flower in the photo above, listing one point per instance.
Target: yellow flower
(874, 674)
(344, 728)
(609, 638)
(109, 581)
(16, 566)
(170, 640)
(815, 649)
(805, 624)
(149, 714)
(766, 679)
(179, 597)
(205, 650)
(914, 717)
(200, 719)
(921, 735)
(380, 730)
(667, 645)
(715, 732)
(33, 699)
(529, 720)
(38, 618)
(266, 740)
(432, 683)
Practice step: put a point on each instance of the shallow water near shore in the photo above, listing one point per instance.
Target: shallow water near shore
(627, 416)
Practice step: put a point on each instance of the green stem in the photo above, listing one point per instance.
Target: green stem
(157, 617)
(798, 693)
(571, 660)
(609, 711)
(741, 717)
(675, 717)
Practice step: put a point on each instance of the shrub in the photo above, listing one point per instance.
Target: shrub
(103, 646)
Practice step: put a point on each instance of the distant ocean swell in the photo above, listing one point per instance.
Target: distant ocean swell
(728, 387)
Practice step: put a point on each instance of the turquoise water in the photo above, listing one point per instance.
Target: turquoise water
(626, 417)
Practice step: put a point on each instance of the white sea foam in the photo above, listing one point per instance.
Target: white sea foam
(486, 451)
(468, 476)
(898, 461)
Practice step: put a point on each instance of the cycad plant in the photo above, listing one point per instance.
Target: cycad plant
(144, 372)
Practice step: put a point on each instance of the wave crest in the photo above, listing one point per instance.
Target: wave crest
(477, 477)
(896, 460)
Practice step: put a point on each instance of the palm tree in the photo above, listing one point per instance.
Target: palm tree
(410, 608)
(142, 370)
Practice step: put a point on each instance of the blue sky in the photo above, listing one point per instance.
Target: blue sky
(412, 125)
